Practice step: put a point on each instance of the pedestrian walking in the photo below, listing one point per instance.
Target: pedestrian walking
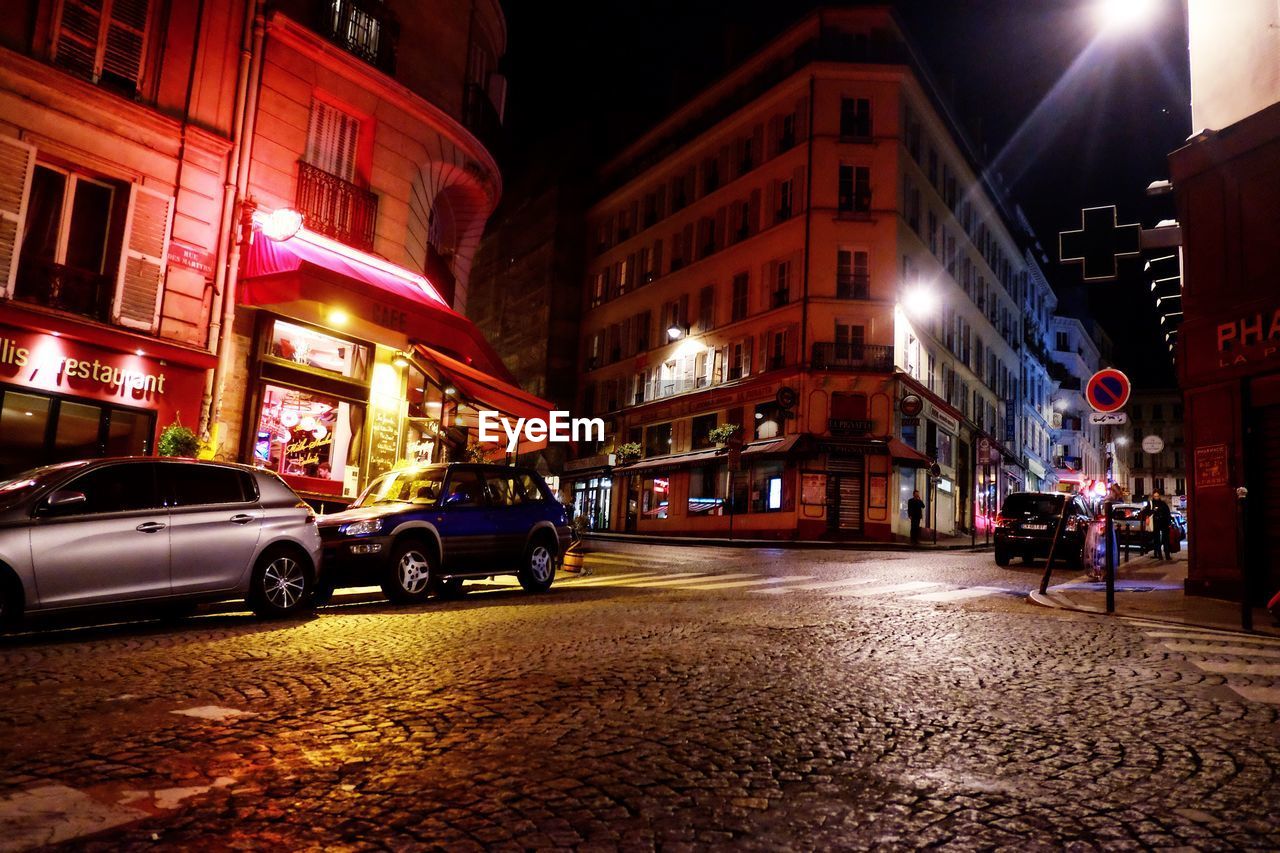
(1161, 520)
(915, 512)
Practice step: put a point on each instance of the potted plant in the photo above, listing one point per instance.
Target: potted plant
(479, 453)
(722, 433)
(628, 452)
(177, 440)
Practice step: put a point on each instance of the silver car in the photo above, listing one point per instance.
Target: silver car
(141, 530)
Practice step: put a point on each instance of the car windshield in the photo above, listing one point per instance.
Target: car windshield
(1025, 504)
(19, 486)
(408, 485)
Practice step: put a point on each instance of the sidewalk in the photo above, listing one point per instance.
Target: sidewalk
(1147, 588)
(900, 543)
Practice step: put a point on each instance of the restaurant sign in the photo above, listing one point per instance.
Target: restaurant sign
(57, 364)
(850, 426)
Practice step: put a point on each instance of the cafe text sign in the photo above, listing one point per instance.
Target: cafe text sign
(55, 364)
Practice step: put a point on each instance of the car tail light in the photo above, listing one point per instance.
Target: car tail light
(311, 514)
(1002, 521)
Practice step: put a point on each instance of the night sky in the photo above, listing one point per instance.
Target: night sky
(586, 77)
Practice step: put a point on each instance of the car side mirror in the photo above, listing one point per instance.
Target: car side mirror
(62, 500)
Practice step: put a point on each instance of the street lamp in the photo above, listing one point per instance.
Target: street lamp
(1123, 15)
(919, 299)
(675, 332)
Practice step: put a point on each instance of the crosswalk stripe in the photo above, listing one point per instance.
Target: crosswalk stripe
(697, 585)
(885, 588)
(1205, 649)
(957, 594)
(596, 580)
(807, 587)
(1271, 670)
(1267, 695)
(675, 578)
(1222, 638)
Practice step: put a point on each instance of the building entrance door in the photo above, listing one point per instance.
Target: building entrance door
(1265, 514)
(844, 495)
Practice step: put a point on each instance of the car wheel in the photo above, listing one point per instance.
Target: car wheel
(408, 576)
(450, 588)
(1002, 556)
(281, 583)
(538, 569)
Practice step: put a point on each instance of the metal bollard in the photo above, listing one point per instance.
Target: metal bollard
(1246, 605)
(1108, 533)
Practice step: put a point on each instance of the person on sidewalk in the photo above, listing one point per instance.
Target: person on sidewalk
(1161, 520)
(915, 512)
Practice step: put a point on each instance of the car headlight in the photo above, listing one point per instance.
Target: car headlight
(361, 528)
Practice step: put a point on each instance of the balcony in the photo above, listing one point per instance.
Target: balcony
(657, 389)
(336, 208)
(364, 28)
(1072, 463)
(481, 117)
(65, 288)
(829, 356)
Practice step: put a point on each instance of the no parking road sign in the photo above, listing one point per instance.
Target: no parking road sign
(1108, 390)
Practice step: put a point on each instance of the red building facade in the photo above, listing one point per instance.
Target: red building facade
(1228, 191)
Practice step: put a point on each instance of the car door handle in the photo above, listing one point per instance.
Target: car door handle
(150, 527)
(241, 519)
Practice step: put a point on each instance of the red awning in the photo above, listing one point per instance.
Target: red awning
(310, 268)
(479, 387)
(906, 455)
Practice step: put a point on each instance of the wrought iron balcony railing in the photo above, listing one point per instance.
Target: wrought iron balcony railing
(363, 28)
(336, 208)
(65, 288)
(877, 357)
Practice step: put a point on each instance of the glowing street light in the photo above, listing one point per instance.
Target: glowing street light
(675, 332)
(919, 299)
(1124, 15)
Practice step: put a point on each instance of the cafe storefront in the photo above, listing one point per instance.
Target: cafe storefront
(70, 390)
(354, 366)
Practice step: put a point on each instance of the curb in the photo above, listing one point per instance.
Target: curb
(778, 543)
(1058, 601)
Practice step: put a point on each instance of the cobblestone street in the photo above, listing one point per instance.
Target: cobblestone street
(674, 697)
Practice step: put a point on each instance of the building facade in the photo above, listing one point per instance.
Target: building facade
(1079, 455)
(251, 219)
(795, 252)
(1157, 413)
(115, 126)
(1036, 436)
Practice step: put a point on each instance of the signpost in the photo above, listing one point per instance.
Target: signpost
(1107, 390)
(1153, 445)
(734, 444)
(1099, 243)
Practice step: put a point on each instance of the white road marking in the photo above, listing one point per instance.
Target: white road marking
(212, 712)
(816, 586)
(736, 584)
(54, 813)
(1271, 670)
(883, 589)
(958, 594)
(674, 578)
(597, 580)
(1221, 638)
(1205, 649)
(1267, 695)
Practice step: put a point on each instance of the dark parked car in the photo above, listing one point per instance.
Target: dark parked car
(423, 531)
(154, 532)
(1028, 521)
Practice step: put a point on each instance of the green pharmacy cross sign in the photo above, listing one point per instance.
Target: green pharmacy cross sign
(1099, 243)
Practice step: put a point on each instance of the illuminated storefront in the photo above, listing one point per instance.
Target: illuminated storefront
(355, 366)
(69, 390)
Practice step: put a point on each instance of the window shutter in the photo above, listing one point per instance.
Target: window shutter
(140, 281)
(753, 212)
(79, 27)
(799, 192)
(17, 162)
(332, 137)
(802, 119)
(126, 40)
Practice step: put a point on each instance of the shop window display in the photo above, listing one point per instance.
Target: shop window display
(308, 347)
(310, 435)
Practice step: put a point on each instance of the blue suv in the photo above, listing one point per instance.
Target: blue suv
(422, 531)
